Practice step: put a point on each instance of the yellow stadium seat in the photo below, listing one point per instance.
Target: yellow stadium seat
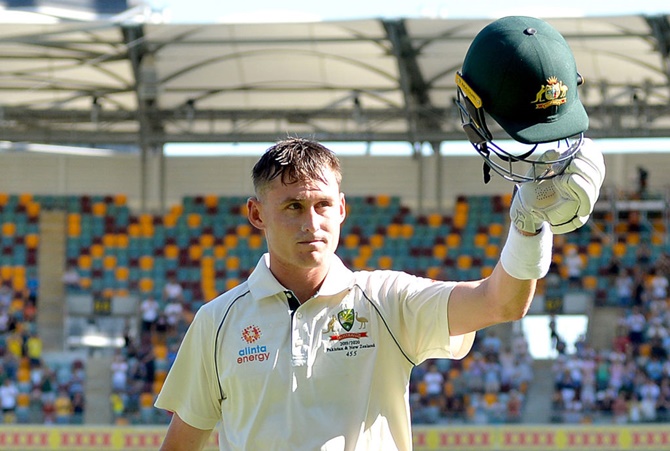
(433, 272)
(407, 230)
(453, 240)
(146, 284)
(109, 262)
(6, 272)
(33, 209)
(120, 200)
(18, 283)
(393, 230)
(506, 199)
(207, 261)
(171, 251)
(496, 229)
(177, 210)
(146, 218)
(255, 241)
(594, 249)
(73, 229)
(4, 199)
(486, 271)
(220, 251)
(440, 251)
(194, 252)
(8, 229)
(435, 220)
(460, 219)
(351, 241)
(134, 230)
(230, 241)
(233, 263)
(211, 201)
(492, 250)
(590, 282)
(122, 273)
(207, 240)
(383, 200)
(147, 229)
(32, 240)
(24, 198)
(481, 239)
(109, 240)
(146, 263)
(385, 262)
(376, 241)
(633, 238)
(97, 250)
(121, 240)
(365, 251)
(84, 261)
(464, 261)
(193, 220)
(99, 209)
(619, 249)
(360, 262)
(85, 282)
(244, 230)
(170, 220)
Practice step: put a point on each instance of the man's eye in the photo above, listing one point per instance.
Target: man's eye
(294, 206)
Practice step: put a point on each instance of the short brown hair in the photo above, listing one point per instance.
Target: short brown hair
(295, 160)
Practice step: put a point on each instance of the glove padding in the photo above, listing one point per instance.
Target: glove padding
(565, 201)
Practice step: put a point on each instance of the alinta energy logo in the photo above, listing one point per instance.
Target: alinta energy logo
(249, 354)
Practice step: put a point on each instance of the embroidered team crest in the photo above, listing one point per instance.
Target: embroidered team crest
(554, 93)
(346, 318)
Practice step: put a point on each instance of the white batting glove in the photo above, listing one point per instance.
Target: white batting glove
(565, 201)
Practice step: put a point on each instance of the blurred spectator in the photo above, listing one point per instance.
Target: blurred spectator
(8, 397)
(434, 380)
(119, 372)
(173, 316)
(71, 279)
(574, 265)
(624, 287)
(34, 348)
(149, 309)
(173, 290)
(63, 407)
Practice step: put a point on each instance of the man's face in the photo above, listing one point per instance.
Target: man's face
(301, 222)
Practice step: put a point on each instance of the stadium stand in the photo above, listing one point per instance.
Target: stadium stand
(205, 245)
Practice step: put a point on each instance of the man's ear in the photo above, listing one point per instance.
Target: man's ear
(254, 213)
(343, 208)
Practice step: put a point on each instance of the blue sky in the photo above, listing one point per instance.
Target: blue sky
(190, 11)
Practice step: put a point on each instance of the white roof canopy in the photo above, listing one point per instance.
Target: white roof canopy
(102, 83)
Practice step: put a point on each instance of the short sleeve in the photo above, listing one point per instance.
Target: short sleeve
(191, 388)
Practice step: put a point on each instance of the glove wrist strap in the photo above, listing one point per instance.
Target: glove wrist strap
(527, 257)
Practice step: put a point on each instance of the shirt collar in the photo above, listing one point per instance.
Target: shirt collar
(263, 283)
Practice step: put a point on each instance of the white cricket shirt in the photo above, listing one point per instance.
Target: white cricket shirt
(330, 374)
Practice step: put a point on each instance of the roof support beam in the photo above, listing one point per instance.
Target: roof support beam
(147, 93)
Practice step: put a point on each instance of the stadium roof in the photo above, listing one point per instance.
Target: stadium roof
(102, 83)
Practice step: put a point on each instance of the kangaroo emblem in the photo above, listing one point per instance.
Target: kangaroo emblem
(331, 325)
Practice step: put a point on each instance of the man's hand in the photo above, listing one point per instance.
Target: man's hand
(565, 201)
